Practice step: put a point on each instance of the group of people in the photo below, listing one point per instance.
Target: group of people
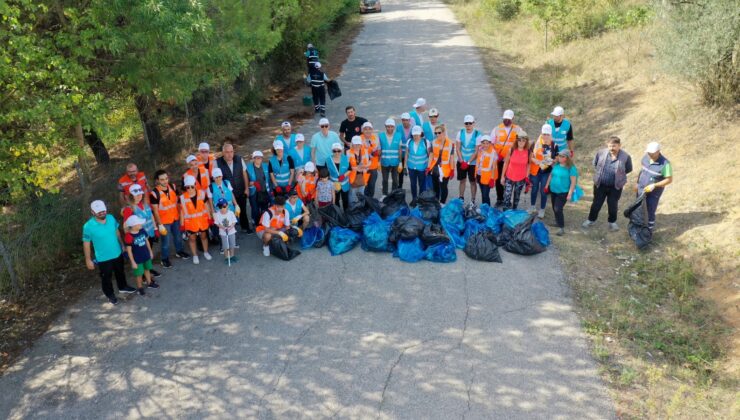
(337, 168)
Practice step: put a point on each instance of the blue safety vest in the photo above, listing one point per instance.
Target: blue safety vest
(334, 172)
(560, 134)
(404, 138)
(389, 149)
(467, 146)
(147, 215)
(299, 161)
(416, 117)
(281, 170)
(294, 211)
(253, 177)
(418, 156)
(224, 191)
(428, 131)
(651, 172)
(287, 144)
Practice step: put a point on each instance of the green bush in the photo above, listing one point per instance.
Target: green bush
(507, 9)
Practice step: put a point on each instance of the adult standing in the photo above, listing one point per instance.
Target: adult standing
(101, 234)
(430, 125)
(317, 79)
(259, 186)
(287, 137)
(372, 145)
(486, 169)
(655, 175)
(322, 142)
(359, 163)
(467, 143)
(515, 172)
(560, 185)
(441, 162)
(420, 107)
(234, 170)
(350, 127)
(417, 160)
(339, 171)
(543, 156)
(136, 204)
(503, 138)
(195, 211)
(300, 154)
(206, 158)
(405, 130)
(611, 164)
(131, 177)
(562, 130)
(282, 169)
(163, 199)
(199, 172)
(390, 155)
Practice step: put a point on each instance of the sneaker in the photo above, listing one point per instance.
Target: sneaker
(587, 224)
(541, 213)
(532, 209)
(560, 232)
(155, 273)
(114, 301)
(195, 259)
(613, 227)
(153, 285)
(234, 259)
(220, 251)
(182, 254)
(207, 256)
(266, 250)
(128, 290)
(499, 204)
(236, 246)
(141, 291)
(166, 264)
(248, 230)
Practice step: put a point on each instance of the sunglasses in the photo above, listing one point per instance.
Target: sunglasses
(468, 123)
(337, 151)
(324, 126)
(521, 140)
(190, 187)
(438, 132)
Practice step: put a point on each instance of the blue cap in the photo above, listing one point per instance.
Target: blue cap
(222, 203)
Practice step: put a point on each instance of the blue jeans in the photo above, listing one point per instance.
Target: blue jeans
(485, 192)
(173, 231)
(539, 182)
(418, 181)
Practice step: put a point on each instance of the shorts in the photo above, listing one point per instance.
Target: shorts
(324, 203)
(141, 267)
(260, 234)
(190, 232)
(228, 241)
(462, 173)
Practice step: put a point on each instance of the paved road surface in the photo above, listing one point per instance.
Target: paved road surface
(356, 336)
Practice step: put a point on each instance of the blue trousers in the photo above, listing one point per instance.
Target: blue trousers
(418, 181)
(173, 231)
(539, 182)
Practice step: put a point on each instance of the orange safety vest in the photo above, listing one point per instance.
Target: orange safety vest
(195, 217)
(307, 188)
(534, 168)
(202, 179)
(211, 163)
(503, 139)
(277, 221)
(485, 166)
(364, 161)
(167, 207)
(125, 182)
(447, 152)
(372, 145)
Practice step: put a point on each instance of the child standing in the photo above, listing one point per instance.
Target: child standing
(139, 252)
(324, 189)
(225, 219)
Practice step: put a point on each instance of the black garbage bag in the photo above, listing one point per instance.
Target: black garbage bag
(638, 227)
(280, 249)
(333, 216)
(522, 240)
(406, 227)
(393, 202)
(502, 238)
(372, 203)
(361, 210)
(434, 234)
(482, 247)
(471, 212)
(293, 233)
(428, 206)
(314, 218)
(333, 88)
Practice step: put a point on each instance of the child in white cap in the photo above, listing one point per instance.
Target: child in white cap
(139, 253)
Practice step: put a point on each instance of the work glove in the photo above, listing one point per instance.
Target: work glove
(464, 166)
(546, 190)
(649, 188)
(288, 188)
(528, 186)
(284, 236)
(300, 231)
(162, 229)
(279, 190)
(296, 219)
(257, 186)
(237, 211)
(376, 153)
(400, 168)
(182, 228)
(341, 178)
(210, 221)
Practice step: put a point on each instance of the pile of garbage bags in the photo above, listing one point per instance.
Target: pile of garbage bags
(429, 232)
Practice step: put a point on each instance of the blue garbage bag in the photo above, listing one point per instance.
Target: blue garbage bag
(452, 220)
(441, 253)
(472, 227)
(403, 211)
(417, 213)
(577, 194)
(342, 240)
(311, 237)
(375, 232)
(540, 233)
(410, 250)
(513, 218)
(494, 217)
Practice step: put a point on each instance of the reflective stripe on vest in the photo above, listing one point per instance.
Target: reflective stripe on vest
(167, 207)
(446, 159)
(316, 79)
(486, 165)
(418, 155)
(389, 150)
(560, 134)
(364, 161)
(299, 161)
(280, 170)
(467, 146)
(253, 176)
(287, 144)
(335, 171)
(504, 138)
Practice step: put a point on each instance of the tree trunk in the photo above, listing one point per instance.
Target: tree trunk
(149, 121)
(98, 147)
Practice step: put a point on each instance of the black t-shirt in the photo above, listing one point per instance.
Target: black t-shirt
(569, 134)
(154, 196)
(351, 128)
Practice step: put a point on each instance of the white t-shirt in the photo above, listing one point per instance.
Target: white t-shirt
(226, 222)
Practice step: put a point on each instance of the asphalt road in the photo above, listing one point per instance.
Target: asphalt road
(361, 335)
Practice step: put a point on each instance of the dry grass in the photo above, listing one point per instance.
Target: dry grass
(612, 85)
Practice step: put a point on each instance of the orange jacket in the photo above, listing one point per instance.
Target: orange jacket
(372, 145)
(485, 165)
(125, 182)
(167, 207)
(445, 154)
(503, 139)
(195, 217)
(202, 178)
(306, 188)
(353, 163)
(273, 218)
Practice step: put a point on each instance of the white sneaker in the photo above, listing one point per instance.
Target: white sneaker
(532, 209)
(541, 213)
(207, 256)
(266, 250)
(195, 259)
(613, 227)
(587, 224)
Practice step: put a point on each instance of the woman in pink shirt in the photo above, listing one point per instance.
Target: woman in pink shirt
(515, 172)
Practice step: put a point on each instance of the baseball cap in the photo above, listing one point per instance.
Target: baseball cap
(134, 220)
(336, 146)
(309, 46)
(317, 65)
(221, 203)
(653, 147)
(217, 173)
(564, 152)
(190, 158)
(310, 167)
(420, 102)
(356, 140)
(546, 129)
(390, 121)
(299, 137)
(416, 130)
(135, 190)
(278, 145)
(508, 114)
(189, 181)
(285, 124)
(468, 119)
(434, 112)
(485, 137)
(367, 124)
(204, 146)
(558, 111)
(97, 206)
(256, 154)
(323, 121)
(405, 116)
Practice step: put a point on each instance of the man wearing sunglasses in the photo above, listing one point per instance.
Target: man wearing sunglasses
(467, 153)
(321, 143)
(131, 177)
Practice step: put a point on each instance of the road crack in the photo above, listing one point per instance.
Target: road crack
(393, 367)
(467, 310)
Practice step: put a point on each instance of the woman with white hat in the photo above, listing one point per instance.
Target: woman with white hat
(543, 156)
(390, 155)
(282, 169)
(339, 170)
(417, 160)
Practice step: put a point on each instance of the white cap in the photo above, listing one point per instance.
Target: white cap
(420, 102)
(257, 154)
(134, 220)
(323, 121)
(468, 118)
(204, 146)
(97, 206)
(484, 137)
(309, 45)
(405, 116)
(558, 111)
(508, 114)
(367, 124)
(309, 167)
(189, 181)
(434, 112)
(299, 137)
(190, 158)
(278, 145)
(547, 129)
(653, 147)
(217, 173)
(317, 65)
(285, 124)
(356, 140)
(135, 190)
(336, 146)
(390, 121)
(416, 130)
